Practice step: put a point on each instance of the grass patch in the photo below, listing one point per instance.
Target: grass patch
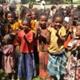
(37, 78)
(2, 75)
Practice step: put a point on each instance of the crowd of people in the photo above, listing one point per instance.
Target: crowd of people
(44, 43)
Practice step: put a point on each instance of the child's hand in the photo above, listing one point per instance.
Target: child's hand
(38, 30)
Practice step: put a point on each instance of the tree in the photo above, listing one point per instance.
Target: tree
(2, 1)
(55, 1)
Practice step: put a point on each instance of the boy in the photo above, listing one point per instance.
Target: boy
(26, 60)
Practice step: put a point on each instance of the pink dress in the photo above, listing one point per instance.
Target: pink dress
(8, 58)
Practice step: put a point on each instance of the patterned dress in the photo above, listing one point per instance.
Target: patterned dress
(73, 69)
(73, 64)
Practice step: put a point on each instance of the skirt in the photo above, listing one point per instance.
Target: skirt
(43, 60)
(8, 64)
(73, 69)
(57, 65)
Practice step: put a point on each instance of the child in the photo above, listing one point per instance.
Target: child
(8, 56)
(26, 58)
(14, 24)
(57, 58)
(33, 20)
(73, 69)
(43, 40)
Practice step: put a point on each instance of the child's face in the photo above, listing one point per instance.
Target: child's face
(57, 22)
(78, 31)
(25, 24)
(33, 15)
(28, 15)
(10, 17)
(43, 21)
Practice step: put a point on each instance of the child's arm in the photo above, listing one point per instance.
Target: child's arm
(72, 45)
(29, 38)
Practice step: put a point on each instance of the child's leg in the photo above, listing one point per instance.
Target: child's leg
(20, 61)
(28, 66)
(34, 66)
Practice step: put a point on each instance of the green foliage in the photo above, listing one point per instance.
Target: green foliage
(76, 1)
(71, 1)
(67, 1)
(2, 1)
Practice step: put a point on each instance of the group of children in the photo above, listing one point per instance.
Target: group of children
(36, 43)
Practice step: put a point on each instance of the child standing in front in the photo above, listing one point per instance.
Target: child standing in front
(26, 60)
(43, 40)
(8, 56)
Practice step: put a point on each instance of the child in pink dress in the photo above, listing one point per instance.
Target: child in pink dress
(8, 56)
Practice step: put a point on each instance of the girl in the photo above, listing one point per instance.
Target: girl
(11, 19)
(73, 64)
(43, 40)
(8, 56)
(57, 58)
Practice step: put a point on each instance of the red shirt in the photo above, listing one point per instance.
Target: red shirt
(24, 47)
(67, 41)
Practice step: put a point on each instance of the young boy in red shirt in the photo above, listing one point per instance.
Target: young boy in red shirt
(26, 60)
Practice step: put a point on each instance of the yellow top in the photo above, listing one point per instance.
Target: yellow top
(54, 46)
(33, 25)
(15, 26)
